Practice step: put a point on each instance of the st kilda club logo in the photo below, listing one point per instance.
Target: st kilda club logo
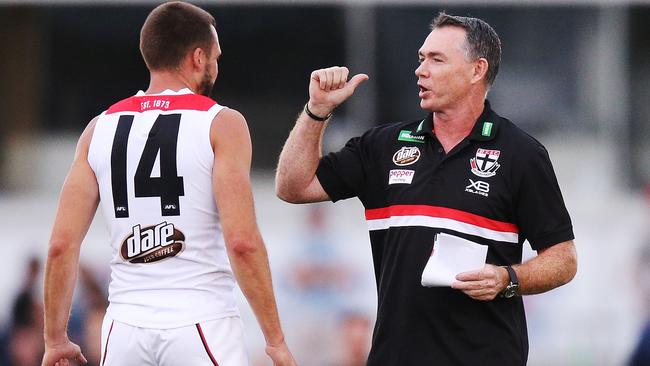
(484, 163)
(152, 243)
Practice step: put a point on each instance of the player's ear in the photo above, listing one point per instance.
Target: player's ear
(198, 58)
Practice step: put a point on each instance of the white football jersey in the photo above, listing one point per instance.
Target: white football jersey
(153, 161)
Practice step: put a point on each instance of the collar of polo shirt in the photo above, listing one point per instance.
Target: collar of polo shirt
(485, 128)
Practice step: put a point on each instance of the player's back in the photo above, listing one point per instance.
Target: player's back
(153, 161)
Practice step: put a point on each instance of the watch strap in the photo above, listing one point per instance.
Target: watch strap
(513, 276)
(513, 285)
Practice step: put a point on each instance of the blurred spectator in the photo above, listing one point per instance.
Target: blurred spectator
(24, 339)
(318, 283)
(355, 335)
(95, 304)
(319, 274)
(21, 344)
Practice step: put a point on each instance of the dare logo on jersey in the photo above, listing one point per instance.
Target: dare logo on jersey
(407, 155)
(152, 243)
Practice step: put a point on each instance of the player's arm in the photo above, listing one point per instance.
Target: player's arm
(552, 267)
(77, 206)
(296, 180)
(246, 250)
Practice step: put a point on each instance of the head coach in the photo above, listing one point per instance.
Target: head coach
(463, 171)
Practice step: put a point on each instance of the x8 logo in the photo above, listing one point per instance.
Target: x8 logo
(479, 186)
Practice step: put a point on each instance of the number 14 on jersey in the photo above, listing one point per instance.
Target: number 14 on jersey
(163, 139)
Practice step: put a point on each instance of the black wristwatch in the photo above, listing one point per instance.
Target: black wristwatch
(513, 287)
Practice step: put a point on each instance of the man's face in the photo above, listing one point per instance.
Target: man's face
(212, 67)
(445, 73)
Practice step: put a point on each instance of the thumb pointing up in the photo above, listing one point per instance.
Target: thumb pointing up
(330, 87)
(356, 81)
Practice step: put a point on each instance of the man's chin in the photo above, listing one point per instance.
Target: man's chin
(426, 105)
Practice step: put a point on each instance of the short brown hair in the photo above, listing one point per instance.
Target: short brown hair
(171, 30)
(481, 40)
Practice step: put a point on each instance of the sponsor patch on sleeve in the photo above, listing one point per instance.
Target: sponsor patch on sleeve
(406, 135)
(400, 176)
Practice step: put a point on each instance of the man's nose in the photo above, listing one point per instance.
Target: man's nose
(419, 71)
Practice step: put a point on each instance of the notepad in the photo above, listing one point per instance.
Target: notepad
(452, 255)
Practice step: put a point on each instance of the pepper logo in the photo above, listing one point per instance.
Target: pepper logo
(400, 176)
(406, 156)
(484, 163)
(152, 243)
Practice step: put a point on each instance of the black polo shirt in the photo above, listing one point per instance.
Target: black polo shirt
(497, 187)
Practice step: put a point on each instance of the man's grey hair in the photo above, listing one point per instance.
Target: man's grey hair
(481, 40)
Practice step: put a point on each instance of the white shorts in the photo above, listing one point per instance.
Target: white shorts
(218, 342)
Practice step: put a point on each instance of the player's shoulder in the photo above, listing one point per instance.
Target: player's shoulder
(228, 124)
(83, 143)
(229, 115)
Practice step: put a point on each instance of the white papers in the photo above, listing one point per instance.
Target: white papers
(451, 256)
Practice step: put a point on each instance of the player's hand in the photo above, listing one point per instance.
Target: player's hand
(330, 87)
(62, 353)
(280, 355)
(483, 284)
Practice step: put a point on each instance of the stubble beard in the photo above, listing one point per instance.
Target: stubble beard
(205, 88)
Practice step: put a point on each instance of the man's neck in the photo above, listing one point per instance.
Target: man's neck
(164, 80)
(451, 126)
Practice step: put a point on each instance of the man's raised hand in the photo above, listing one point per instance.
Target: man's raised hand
(330, 87)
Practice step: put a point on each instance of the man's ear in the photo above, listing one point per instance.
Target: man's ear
(480, 70)
(198, 58)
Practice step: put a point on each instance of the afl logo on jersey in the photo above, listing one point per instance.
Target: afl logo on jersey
(406, 156)
(152, 243)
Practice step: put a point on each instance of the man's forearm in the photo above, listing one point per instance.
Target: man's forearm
(60, 279)
(250, 264)
(299, 157)
(551, 268)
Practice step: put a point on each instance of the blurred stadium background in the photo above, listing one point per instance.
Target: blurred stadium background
(575, 74)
